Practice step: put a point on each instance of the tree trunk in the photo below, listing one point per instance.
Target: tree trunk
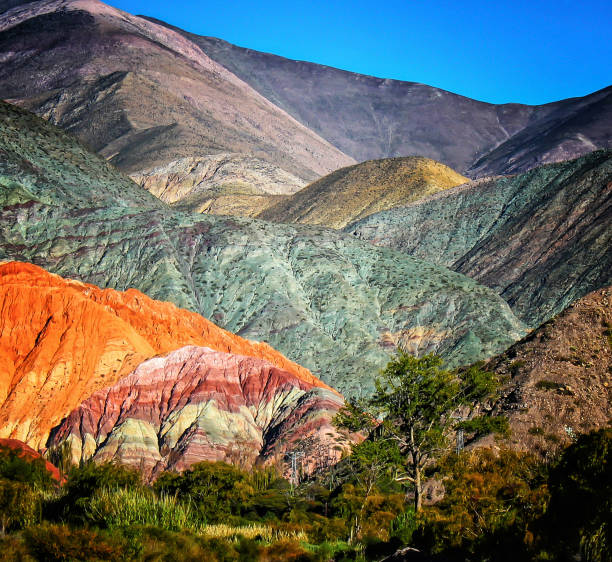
(418, 491)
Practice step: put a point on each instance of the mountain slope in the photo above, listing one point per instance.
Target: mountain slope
(329, 302)
(352, 193)
(560, 376)
(372, 118)
(61, 340)
(196, 404)
(540, 239)
(143, 96)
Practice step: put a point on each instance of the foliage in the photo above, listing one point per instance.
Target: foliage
(483, 425)
(16, 467)
(123, 507)
(415, 398)
(492, 501)
(20, 505)
(58, 543)
(217, 490)
(581, 485)
(85, 481)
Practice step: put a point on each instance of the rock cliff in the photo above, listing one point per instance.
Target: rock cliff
(61, 340)
(196, 404)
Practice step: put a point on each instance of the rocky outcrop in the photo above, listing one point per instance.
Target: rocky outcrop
(26, 452)
(225, 184)
(540, 239)
(144, 96)
(560, 376)
(353, 193)
(196, 404)
(61, 340)
(371, 118)
(326, 300)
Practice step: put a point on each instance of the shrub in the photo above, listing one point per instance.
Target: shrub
(58, 542)
(216, 489)
(483, 425)
(18, 468)
(581, 485)
(20, 505)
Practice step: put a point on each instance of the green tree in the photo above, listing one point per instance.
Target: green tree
(414, 401)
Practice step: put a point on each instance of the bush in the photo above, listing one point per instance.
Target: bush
(20, 505)
(216, 489)
(581, 499)
(58, 542)
(84, 482)
(23, 469)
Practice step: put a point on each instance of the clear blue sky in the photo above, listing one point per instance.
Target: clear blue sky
(497, 51)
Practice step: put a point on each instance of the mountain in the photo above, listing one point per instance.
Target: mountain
(352, 193)
(540, 239)
(62, 340)
(145, 97)
(372, 118)
(196, 404)
(229, 129)
(560, 376)
(333, 304)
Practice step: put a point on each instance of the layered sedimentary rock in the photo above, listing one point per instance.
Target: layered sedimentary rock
(26, 452)
(353, 193)
(560, 376)
(196, 404)
(144, 96)
(326, 300)
(540, 239)
(61, 340)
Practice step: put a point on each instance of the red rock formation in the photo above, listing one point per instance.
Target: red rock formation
(24, 451)
(61, 340)
(197, 404)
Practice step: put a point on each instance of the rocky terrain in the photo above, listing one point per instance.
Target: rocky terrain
(372, 118)
(560, 376)
(61, 340)
(540, 239)
(223, 184)
(196, 404)
(334, 304)
(353, 193)
(145, 97)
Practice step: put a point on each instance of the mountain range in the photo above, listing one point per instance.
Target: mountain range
(198, 118)
(359, 215)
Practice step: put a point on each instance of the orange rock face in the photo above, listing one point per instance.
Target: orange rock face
(62, 340)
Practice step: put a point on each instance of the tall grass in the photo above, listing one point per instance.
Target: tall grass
(253, 531)
(125, 507)
(120, 507)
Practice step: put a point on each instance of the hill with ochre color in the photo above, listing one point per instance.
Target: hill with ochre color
(62, 340)
(355, 192)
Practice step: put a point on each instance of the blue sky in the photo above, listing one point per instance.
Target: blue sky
(519, 51)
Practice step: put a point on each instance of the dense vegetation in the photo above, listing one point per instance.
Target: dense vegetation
(478, 504)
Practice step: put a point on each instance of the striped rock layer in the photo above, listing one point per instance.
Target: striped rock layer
(62, 340)
(197, 404)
